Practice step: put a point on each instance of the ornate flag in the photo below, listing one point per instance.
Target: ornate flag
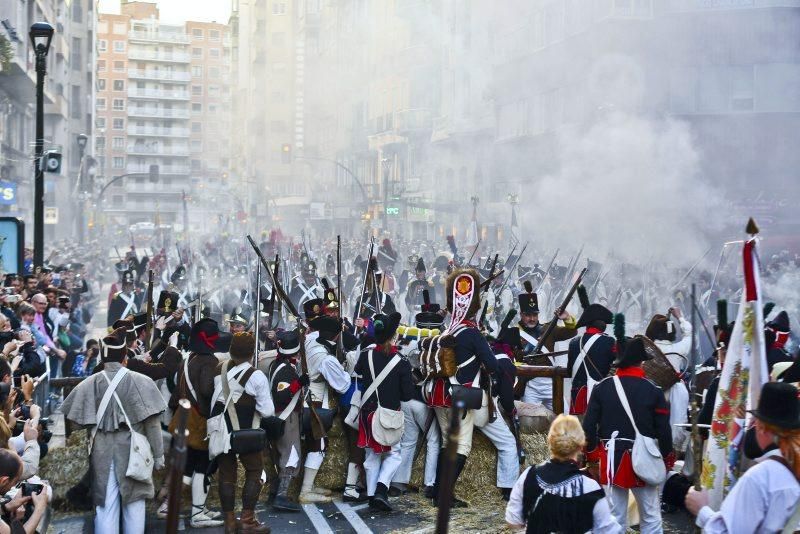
(743, 374)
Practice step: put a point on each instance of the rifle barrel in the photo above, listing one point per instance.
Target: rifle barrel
(552, 324)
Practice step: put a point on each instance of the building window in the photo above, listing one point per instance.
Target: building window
(196, 164)
(101, 104)
(101, 65)
(119, 66)
(101, 84)
(197, 127)
(119, 104)
(212, 108)
(213, 52)
(197, 71)
(102, 27)
(278, 8)
(197, 90)
(119, 46)
(118, 143)
(213, 90)
(118, 162)
(278, 38)
(100, 122)
(213, 73)
(118, 124)
(197, 145)
(197, 108)
(197, 33)
(100, 143)
(102, 45)
(197, 52)
(119, 85)
(77, 11)
(120, 28)
(75, 103)
(213, 35)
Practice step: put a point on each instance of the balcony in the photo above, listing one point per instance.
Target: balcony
(159, 37)
(150, 131)
(142, 150)
(170, 76)
(408, 121)
(162, 169)
(158, 113)
(166, 57)
(159, 94)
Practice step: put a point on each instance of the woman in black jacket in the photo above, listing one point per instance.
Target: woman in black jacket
(382, 458)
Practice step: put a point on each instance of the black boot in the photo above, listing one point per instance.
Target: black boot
(281, 501)
(461, 461)
(380, 501)
(434, 491)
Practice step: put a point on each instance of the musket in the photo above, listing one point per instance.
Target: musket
(552, 324)
(366, 276)
(693, 267)
(511, 270)
(149, 319)
(257, 312)
(571, 270)
(273, 295)
(180, 258)
(474, 250)
(491, 271)
(529, 358)
(697, 444)
(547, 271)
(447, 483)
(318, 430)
(115, 250)
(177, 465)
(340, 342)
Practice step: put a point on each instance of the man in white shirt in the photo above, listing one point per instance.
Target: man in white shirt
(767, 496)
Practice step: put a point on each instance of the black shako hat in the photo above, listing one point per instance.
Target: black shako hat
(167, 302)
(633, 353)
(385, 326)
(595, 312)
(206, 337)
(288, 342)
(778, 405)
(313, 308)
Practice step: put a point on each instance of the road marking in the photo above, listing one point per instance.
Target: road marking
(359, 506)
(352, 517)
(317, 519)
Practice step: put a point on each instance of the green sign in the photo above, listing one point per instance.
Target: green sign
(392, 210)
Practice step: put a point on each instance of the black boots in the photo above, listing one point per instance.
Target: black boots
(281, 501)
(380, 501)
(461, 461)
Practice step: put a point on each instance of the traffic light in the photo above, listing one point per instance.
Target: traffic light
(286, 153)
(153, 173)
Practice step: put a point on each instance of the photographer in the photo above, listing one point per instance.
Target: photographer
(14, 506)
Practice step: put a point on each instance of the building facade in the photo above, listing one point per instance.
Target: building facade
(162, 92)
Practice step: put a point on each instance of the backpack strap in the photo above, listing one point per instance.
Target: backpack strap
(624, 400)
(579, 361)
(101, 410)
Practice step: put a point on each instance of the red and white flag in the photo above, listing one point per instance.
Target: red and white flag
(743, 374)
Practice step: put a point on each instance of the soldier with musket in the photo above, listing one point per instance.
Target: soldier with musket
(540, 390)
(472, 355)
(415, 288)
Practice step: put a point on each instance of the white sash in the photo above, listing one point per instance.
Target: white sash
(131, 305)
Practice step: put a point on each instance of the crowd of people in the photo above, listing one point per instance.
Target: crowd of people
(381, 347)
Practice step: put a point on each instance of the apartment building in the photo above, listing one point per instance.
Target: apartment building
(162, 90)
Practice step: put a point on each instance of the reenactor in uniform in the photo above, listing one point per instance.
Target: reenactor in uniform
(590, 355)
(126, 302)
(307, 286)
(415, 288)
(286, 387)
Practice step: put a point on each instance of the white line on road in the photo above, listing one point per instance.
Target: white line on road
(359, 506)
(352, 517)
(317, 519)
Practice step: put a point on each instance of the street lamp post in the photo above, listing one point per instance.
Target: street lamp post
(386, 163)
(82, 140)
(41, 35)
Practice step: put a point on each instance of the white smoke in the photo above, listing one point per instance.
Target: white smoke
(631, 185)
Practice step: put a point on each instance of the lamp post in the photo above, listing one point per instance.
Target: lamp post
(386, 163)
(41, 35)
(82, 193)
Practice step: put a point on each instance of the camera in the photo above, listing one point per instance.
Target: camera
(28, 488)
(13, 299)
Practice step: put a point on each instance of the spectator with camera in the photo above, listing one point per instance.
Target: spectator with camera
(25, 509)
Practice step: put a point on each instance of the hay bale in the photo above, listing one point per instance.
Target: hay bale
(63, 467)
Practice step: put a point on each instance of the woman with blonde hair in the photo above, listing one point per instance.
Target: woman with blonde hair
(556, 496)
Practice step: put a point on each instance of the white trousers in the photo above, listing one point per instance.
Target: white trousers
(539, 391)
(416, 415)
(648, 502)
(106, 519)
(507, 459)
(678, 397)
(380, 467)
